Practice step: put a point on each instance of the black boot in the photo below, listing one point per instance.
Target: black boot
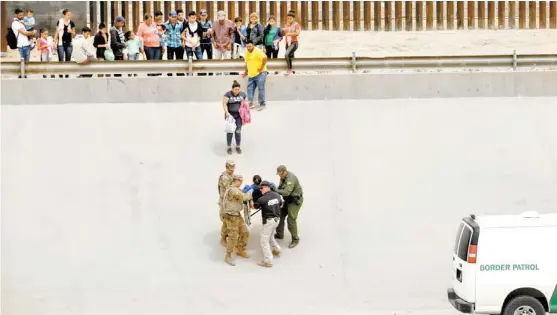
(294, 243)
(279, 236)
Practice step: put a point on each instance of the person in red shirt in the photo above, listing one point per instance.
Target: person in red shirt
(291, 31)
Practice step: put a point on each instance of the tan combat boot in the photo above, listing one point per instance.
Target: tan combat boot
(266, 265)
(242, 253)
(276, 252)
(228, 259)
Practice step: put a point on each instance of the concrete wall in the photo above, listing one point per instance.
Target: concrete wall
(280, 88)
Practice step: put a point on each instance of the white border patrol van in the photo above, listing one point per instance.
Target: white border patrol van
(505, 264)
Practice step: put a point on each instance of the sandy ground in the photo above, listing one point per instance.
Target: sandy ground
(342, 44)
(111, 208)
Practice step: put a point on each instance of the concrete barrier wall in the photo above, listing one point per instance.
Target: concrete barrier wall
(280, 88)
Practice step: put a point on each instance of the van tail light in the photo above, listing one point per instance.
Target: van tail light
(472, 254)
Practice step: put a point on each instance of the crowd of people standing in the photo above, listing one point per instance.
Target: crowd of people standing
(179, 36)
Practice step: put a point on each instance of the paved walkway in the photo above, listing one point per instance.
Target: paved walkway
(342, 44)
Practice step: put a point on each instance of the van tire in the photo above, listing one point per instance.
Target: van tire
(524, 300)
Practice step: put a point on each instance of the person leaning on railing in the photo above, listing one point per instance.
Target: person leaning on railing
(83, 50)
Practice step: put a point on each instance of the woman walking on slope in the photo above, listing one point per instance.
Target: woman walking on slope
(231, 103)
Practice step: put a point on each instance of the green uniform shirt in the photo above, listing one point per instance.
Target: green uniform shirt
(290, 186)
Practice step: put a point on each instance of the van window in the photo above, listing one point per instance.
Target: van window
(457, 242)
(464, 243)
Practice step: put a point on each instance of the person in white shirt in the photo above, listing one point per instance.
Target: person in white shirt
(191, 35)
(23, 43)
(83, 50)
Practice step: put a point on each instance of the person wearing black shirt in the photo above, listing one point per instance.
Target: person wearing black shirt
(65, 32)
(101, 41)
(231, 102)
(269, 203)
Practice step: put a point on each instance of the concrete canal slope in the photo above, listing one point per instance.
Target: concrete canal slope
(280, 88)
(111, 208)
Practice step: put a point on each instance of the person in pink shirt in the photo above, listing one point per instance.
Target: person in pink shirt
(44, 46)
(148, 32)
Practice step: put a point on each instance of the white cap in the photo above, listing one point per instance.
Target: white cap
(221, 15)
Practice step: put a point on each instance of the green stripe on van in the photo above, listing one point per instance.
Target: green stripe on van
(553, 302)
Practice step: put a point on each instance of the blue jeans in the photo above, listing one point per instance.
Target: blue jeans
(65, 52)
(25, 53)
(133, 56)
(198, 52)
(153, 53)
(258, 82)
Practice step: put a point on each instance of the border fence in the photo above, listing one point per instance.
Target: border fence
(354, 15)
(340, 15)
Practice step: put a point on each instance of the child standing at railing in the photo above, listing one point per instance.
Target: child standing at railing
(134, 46)
(45, 47)
(161, 28)
(292, 32)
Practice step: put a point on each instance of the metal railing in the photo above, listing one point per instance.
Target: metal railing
(352, 64)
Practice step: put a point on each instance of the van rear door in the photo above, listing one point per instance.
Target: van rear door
(464, 260)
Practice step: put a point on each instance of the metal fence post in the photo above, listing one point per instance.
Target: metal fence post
(515, 61)
(354, 62)
(22, 68)
(190, 65)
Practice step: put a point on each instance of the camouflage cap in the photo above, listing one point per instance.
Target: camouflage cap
(281, 169)
(231, 165)
(237, 177)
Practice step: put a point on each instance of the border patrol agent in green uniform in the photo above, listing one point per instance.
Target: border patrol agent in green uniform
(293, 195)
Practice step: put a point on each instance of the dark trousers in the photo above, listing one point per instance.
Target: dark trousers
(289, 214)
(65, 52)
(177, 52)
(207, 47)
(271, 52)
(238, 133)
(153, 53)
(289, 55)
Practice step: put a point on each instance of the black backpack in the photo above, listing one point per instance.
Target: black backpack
(11, 38)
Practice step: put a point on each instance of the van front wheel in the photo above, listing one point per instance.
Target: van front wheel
(524, 305)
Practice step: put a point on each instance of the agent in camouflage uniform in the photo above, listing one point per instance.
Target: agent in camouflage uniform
(225, 180)
(293, 195)
(236, 228)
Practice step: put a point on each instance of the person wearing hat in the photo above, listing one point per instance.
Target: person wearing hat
(206, 41)
(225, 180)
(174, 40)
(291, 190)
(223, 35)
(236, 228)
(270, 203)
(117, 39)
